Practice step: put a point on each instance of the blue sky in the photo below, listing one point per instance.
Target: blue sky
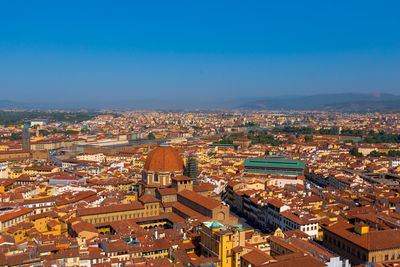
(196, 50)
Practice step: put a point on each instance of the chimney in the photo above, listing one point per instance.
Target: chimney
(361, 228)
(156, 233)
(242, 237)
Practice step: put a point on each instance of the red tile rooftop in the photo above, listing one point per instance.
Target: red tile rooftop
(373, 240)
(13, 214)
(110, 209)
(207, 202)
(181, 178)
(148, 199)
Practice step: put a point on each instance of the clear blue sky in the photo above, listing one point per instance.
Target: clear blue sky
(131, 50)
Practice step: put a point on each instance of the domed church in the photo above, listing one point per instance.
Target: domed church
(162, 164)
(163, 178)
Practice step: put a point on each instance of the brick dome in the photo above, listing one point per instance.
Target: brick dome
(164, 159)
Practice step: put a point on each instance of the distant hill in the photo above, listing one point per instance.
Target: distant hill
(346, 102)
(7, 104)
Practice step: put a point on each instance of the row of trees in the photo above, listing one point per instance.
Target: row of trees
(392, 153)
(370, 136)
(354, 151)
(382, 137)
(263, 137)
(322, 131)
(228, 139)
(45, 132)
(12, 137)
(18, 136)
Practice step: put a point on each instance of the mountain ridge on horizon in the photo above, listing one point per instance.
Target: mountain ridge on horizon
(346, 102)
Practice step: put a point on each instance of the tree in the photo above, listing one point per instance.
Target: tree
(15, 136)
(151, 136)
(308, 138)
(69, 132)
(350, 141)
(44, 132)
(394, 153)
(376, 154)
(354, 151)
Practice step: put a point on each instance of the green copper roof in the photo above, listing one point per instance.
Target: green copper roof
(215, 225)
(290, 173)
(274, 162)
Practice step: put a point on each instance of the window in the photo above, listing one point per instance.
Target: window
(386, 257)
(155, 179)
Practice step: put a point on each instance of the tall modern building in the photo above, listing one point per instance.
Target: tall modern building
(191, 169)
(26, 138)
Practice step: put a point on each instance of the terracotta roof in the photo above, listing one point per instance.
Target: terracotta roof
(187, 212)
(276, 202)
(307, 260)
(204, 187)
(167, 191)
(110, 209)
(41, 168)
(148, 199)
(373, 240)
(257, 257)
(181, 178)
(164, 159)
(11, 215)
(201, 200)
(83, 227)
